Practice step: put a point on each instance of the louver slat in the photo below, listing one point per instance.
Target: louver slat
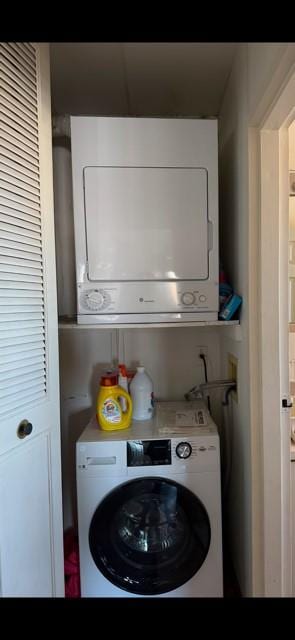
(15, 164)
(14, 263)
(12, 290)
(23, 399)
(28, 347)
(20, 135)
(16, 388)
(8, 206)
(16, 124)
(15, 59)
(16, 106)
(10, 197)
(30, 47)
(18, 249)
(10, 235)
(22, 271)
(28, 230)
(17, 170)
(17, 118)
(18, 48)
(19, 337)
(9, 175)
(22, 372)
(19, 308)
(15, 220)
(15, 153)
(9, 358)
(28, 51)
(6, 386)
(25, 278)
(12, 84)
(26, 281)
(22, 320)
(25, 364)
(12, 136)
(12, 71)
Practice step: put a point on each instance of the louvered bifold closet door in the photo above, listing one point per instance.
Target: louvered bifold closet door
(22, 322)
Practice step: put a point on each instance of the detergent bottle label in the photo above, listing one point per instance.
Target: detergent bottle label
(111, 411)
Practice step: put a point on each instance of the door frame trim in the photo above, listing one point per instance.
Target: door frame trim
(270, 439)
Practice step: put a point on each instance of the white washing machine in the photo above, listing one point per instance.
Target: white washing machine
(149, 506)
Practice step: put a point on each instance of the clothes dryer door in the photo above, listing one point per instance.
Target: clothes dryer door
(146, 223)
(150, 536)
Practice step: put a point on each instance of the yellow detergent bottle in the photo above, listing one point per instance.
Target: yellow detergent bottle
(109, 413)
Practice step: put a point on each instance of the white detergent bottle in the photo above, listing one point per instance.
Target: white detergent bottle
(123, 382)
(141, 391)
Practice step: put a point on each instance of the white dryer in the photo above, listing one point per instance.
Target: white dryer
(149, 507)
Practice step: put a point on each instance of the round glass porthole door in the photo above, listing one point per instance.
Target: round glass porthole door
(149, 536)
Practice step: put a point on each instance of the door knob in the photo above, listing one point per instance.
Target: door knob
(24, 429)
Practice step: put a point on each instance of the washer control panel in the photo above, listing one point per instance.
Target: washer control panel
(179, 454)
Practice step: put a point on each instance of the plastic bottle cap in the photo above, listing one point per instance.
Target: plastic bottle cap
(109, 380)
(140, 369)
(122, 370)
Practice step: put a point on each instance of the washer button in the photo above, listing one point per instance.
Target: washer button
(202, 298)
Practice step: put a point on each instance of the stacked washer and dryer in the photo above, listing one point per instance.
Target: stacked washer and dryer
(149, 507)
(145, 194)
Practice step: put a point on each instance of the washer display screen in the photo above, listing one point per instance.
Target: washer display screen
(142, 453)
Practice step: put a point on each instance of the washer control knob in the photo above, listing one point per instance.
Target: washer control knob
(183, 450)
(202, 298)
(188, 298)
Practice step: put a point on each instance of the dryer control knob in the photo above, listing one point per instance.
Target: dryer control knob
(94, 299)
(188, 298)
(183, 450)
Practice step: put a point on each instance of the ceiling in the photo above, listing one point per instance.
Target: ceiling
(139, 79)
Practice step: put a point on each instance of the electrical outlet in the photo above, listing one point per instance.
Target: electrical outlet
(202, 351)
(232, 362)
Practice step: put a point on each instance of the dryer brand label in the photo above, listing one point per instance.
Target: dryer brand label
(111, 411)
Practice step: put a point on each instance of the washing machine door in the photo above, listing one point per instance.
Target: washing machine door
(149, 536)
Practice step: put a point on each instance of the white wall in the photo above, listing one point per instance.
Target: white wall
(234, 255)
(292, 198)
(292, 146)
(292, 257)
(292, 248)
(262, 62)
(250, 78)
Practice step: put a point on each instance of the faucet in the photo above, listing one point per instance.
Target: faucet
(199, 391)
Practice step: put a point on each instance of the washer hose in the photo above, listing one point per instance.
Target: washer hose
(227, 442)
